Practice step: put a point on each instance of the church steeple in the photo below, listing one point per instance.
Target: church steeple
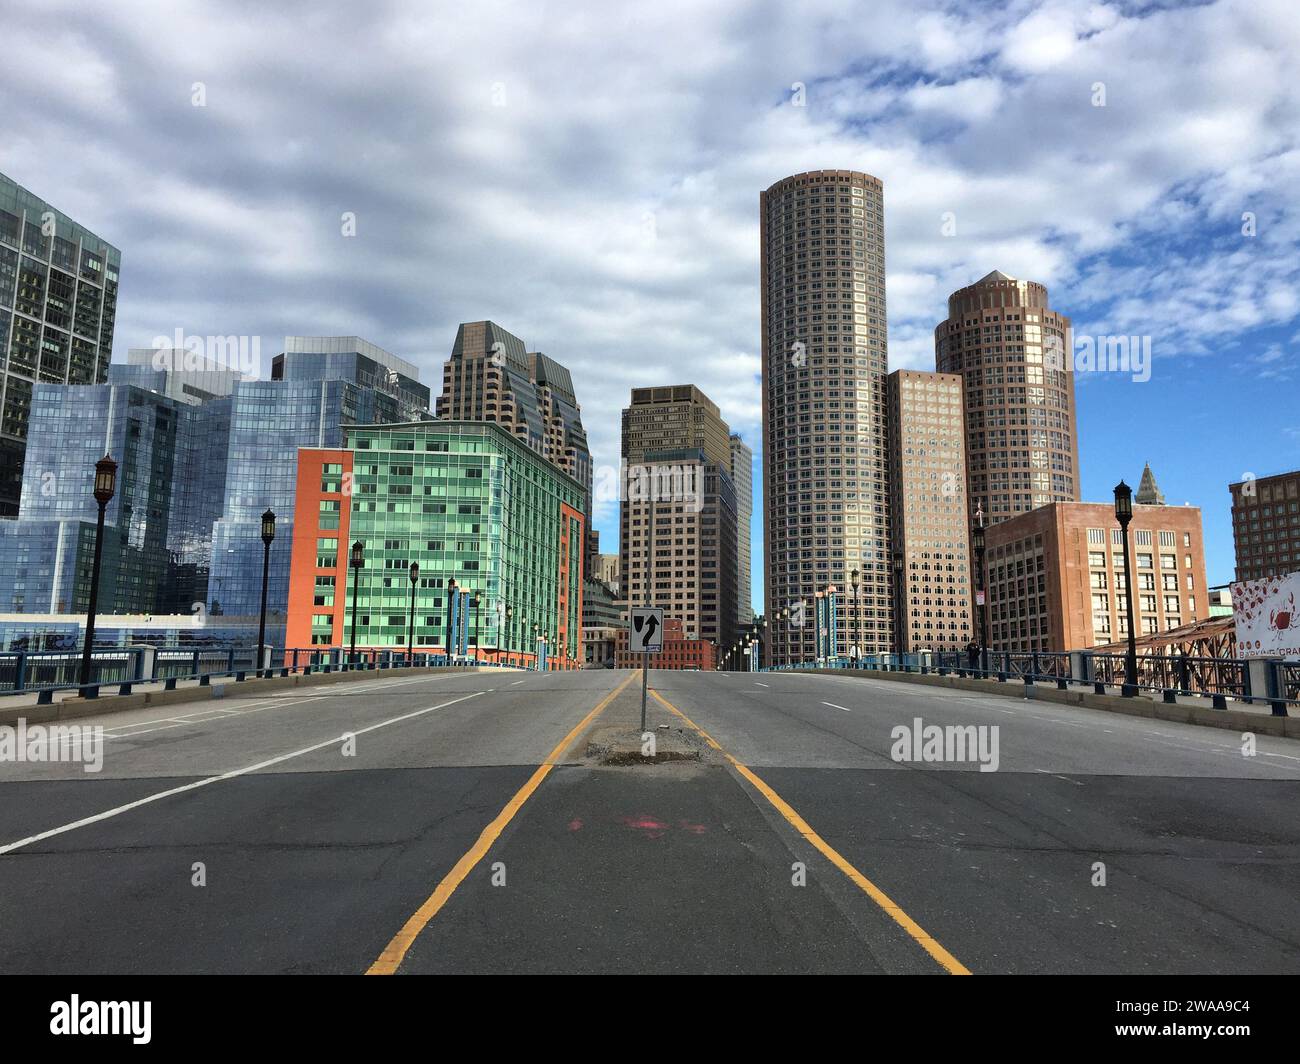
(1149, 493)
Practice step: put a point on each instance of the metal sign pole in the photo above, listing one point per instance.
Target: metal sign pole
(645, 672)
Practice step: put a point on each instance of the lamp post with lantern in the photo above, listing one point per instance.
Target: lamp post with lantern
(105, 485)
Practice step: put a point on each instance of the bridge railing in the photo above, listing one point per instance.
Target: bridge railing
(49, 671)
(1264, 681)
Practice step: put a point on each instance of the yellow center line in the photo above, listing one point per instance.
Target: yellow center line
(895, 912)
(396, 950)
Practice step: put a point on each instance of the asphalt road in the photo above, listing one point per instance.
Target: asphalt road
(402, 824)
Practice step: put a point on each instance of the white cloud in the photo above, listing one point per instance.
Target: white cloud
(607, 211)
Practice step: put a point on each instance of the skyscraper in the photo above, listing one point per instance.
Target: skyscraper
(491, 377)
(742, 477)
(927, 477)
(825, 478)
(1014, 354)
(320, 386)
(58, 303)
(168, 431)
(678, 514)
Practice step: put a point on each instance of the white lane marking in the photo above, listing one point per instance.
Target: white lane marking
(834, 706)
(1067, 779)
(762, 684)
(516, 682)
(177, 722)
(233, 774)
(120, 731)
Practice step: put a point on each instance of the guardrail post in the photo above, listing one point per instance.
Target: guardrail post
(230, 660)
(146, 664)
(1184, 674)
(195, 671)
(1080, 663)
(1275, 688)
(20, 671)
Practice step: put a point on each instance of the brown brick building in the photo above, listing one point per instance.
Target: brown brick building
(1266, 525)
(1056, 575)
(678, 515)
(1016, 357)
(927, 485)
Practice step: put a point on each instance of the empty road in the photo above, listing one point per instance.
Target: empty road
(399, 824)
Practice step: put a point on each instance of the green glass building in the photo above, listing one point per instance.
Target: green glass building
(466, 502)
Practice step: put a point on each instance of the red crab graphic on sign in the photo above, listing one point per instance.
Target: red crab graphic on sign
(1285, 617)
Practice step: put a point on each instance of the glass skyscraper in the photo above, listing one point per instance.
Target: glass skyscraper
(319, 386)
(158, 525)
(58, 301)
(201, 454)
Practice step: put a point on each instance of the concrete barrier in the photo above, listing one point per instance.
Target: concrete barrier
(73, 708)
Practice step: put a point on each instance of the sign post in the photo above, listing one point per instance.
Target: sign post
(645, 634)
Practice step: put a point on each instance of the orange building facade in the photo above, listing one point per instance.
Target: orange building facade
(469, 541)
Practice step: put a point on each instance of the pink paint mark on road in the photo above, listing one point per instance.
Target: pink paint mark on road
(694, 829)
(643, 823)
(575, 824)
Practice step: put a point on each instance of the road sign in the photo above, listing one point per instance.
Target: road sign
(646, 630)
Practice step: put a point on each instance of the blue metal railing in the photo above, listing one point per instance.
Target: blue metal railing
(48, 671)
(1276, 683)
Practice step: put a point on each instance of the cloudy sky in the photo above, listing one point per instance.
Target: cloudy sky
(587, 175)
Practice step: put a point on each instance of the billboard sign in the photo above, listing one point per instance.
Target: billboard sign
(1266, 617)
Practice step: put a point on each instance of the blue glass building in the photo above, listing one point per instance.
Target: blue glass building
(158, 525)
(319, 386)
(201, 454)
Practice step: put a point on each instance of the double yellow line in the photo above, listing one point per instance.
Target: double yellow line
(396, 950)
(891, 908)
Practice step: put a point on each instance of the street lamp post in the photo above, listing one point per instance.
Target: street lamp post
(410, 631)
(977, 541)
(832, 642)
(474, 601)
(857, 617)
(451, 598)
(1124, 514)
(358, 551)
(268, 535)
(817, 626)
(900, 607)
(510, 630)
(105, 484)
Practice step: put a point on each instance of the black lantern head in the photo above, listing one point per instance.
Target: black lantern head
(105, 479)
